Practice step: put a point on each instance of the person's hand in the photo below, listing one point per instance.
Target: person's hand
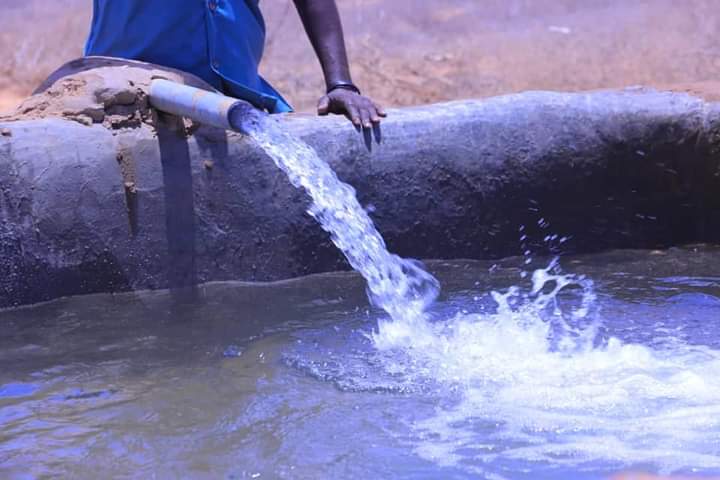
(360, 110)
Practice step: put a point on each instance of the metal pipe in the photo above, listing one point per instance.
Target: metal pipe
(202, 106)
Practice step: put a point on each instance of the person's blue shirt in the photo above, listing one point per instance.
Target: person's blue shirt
(220, 41)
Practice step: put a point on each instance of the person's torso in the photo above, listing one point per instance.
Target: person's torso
(209, 38)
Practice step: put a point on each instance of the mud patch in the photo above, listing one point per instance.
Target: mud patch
(97, 90)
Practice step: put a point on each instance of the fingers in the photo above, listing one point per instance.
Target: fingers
(361, 111)
(376, 113)
(365, 116)
(324, 105)
(353, 113)
(380, 110)
(371, 113)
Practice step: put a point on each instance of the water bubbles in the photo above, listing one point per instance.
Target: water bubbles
(232, 351)
(547, 389)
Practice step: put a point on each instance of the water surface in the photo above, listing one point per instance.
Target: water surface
(294, 379)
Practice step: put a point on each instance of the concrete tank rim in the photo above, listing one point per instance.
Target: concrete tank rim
(456, 173)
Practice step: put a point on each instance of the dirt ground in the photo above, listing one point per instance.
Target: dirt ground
(407, 52)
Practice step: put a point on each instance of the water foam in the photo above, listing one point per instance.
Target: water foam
(537, 383)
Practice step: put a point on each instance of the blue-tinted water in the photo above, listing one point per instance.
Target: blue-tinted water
(287, 381)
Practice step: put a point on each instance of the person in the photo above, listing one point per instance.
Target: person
(221, 41)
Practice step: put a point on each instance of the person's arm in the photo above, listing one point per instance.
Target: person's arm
(322, 24)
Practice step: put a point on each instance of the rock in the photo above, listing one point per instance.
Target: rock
(81, 118)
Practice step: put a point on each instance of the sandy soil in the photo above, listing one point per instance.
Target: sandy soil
(417, 51)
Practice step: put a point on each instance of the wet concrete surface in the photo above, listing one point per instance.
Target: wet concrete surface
(622, 169)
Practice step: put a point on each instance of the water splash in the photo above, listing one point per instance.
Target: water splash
(537, 311)
(535, 382)
(400, 287)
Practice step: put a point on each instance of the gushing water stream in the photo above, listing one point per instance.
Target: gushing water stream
(400, 287)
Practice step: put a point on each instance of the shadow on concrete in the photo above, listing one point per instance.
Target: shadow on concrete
(179, 204)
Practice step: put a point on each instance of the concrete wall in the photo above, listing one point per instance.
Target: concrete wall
(86, 209)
